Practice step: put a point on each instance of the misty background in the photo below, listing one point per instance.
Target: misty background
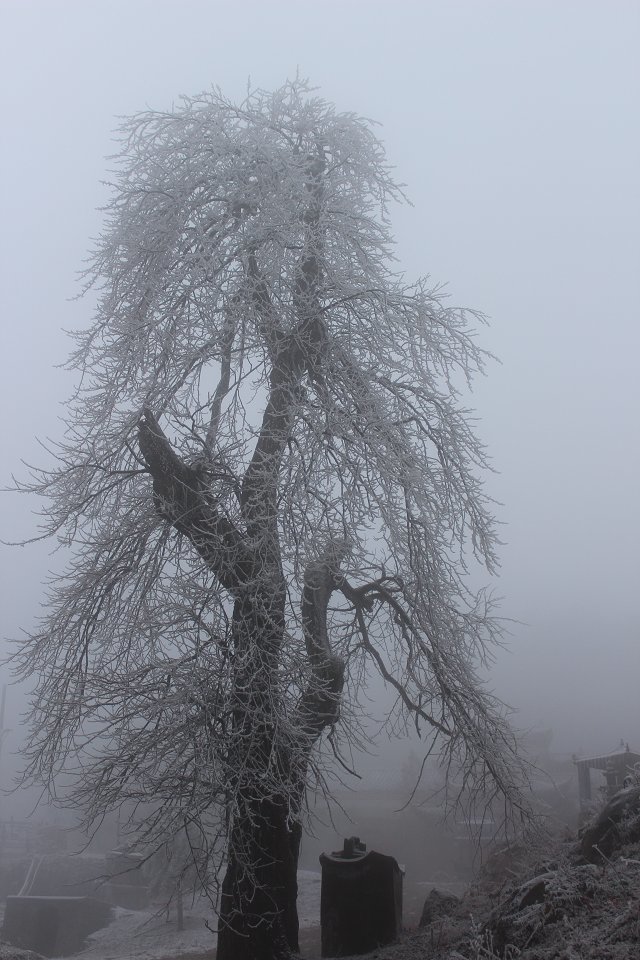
(515, 127)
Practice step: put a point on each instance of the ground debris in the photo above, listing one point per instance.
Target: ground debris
(438, 906)
(9, 952)
(617, 824)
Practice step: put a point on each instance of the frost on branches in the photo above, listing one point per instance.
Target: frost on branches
(269, 489)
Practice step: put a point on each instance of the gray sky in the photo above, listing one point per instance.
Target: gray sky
(515, 126)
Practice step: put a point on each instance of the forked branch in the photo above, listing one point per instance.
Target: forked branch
(182, 498)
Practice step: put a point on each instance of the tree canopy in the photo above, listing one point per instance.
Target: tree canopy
(270, 492)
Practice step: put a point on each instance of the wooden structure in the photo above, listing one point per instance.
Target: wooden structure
(619, 768)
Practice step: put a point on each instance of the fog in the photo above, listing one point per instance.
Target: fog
(515, 128)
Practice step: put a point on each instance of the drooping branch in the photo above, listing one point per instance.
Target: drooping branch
(363, 599)
(467, 718)
(183, 500)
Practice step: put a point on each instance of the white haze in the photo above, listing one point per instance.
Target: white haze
(515, 128)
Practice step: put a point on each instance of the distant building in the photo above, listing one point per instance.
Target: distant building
(618, 769)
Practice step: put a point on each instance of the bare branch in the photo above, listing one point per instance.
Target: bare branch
(182, 500)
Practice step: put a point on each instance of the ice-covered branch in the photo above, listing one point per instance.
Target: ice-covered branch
(183, 500)
(320, 703)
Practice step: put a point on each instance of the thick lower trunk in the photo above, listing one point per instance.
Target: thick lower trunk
(258, 915)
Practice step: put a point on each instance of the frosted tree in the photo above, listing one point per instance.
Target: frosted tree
(269, 492)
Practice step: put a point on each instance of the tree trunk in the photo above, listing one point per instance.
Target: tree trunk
(258, 914)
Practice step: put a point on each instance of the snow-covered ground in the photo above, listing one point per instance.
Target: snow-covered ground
(148, 935)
